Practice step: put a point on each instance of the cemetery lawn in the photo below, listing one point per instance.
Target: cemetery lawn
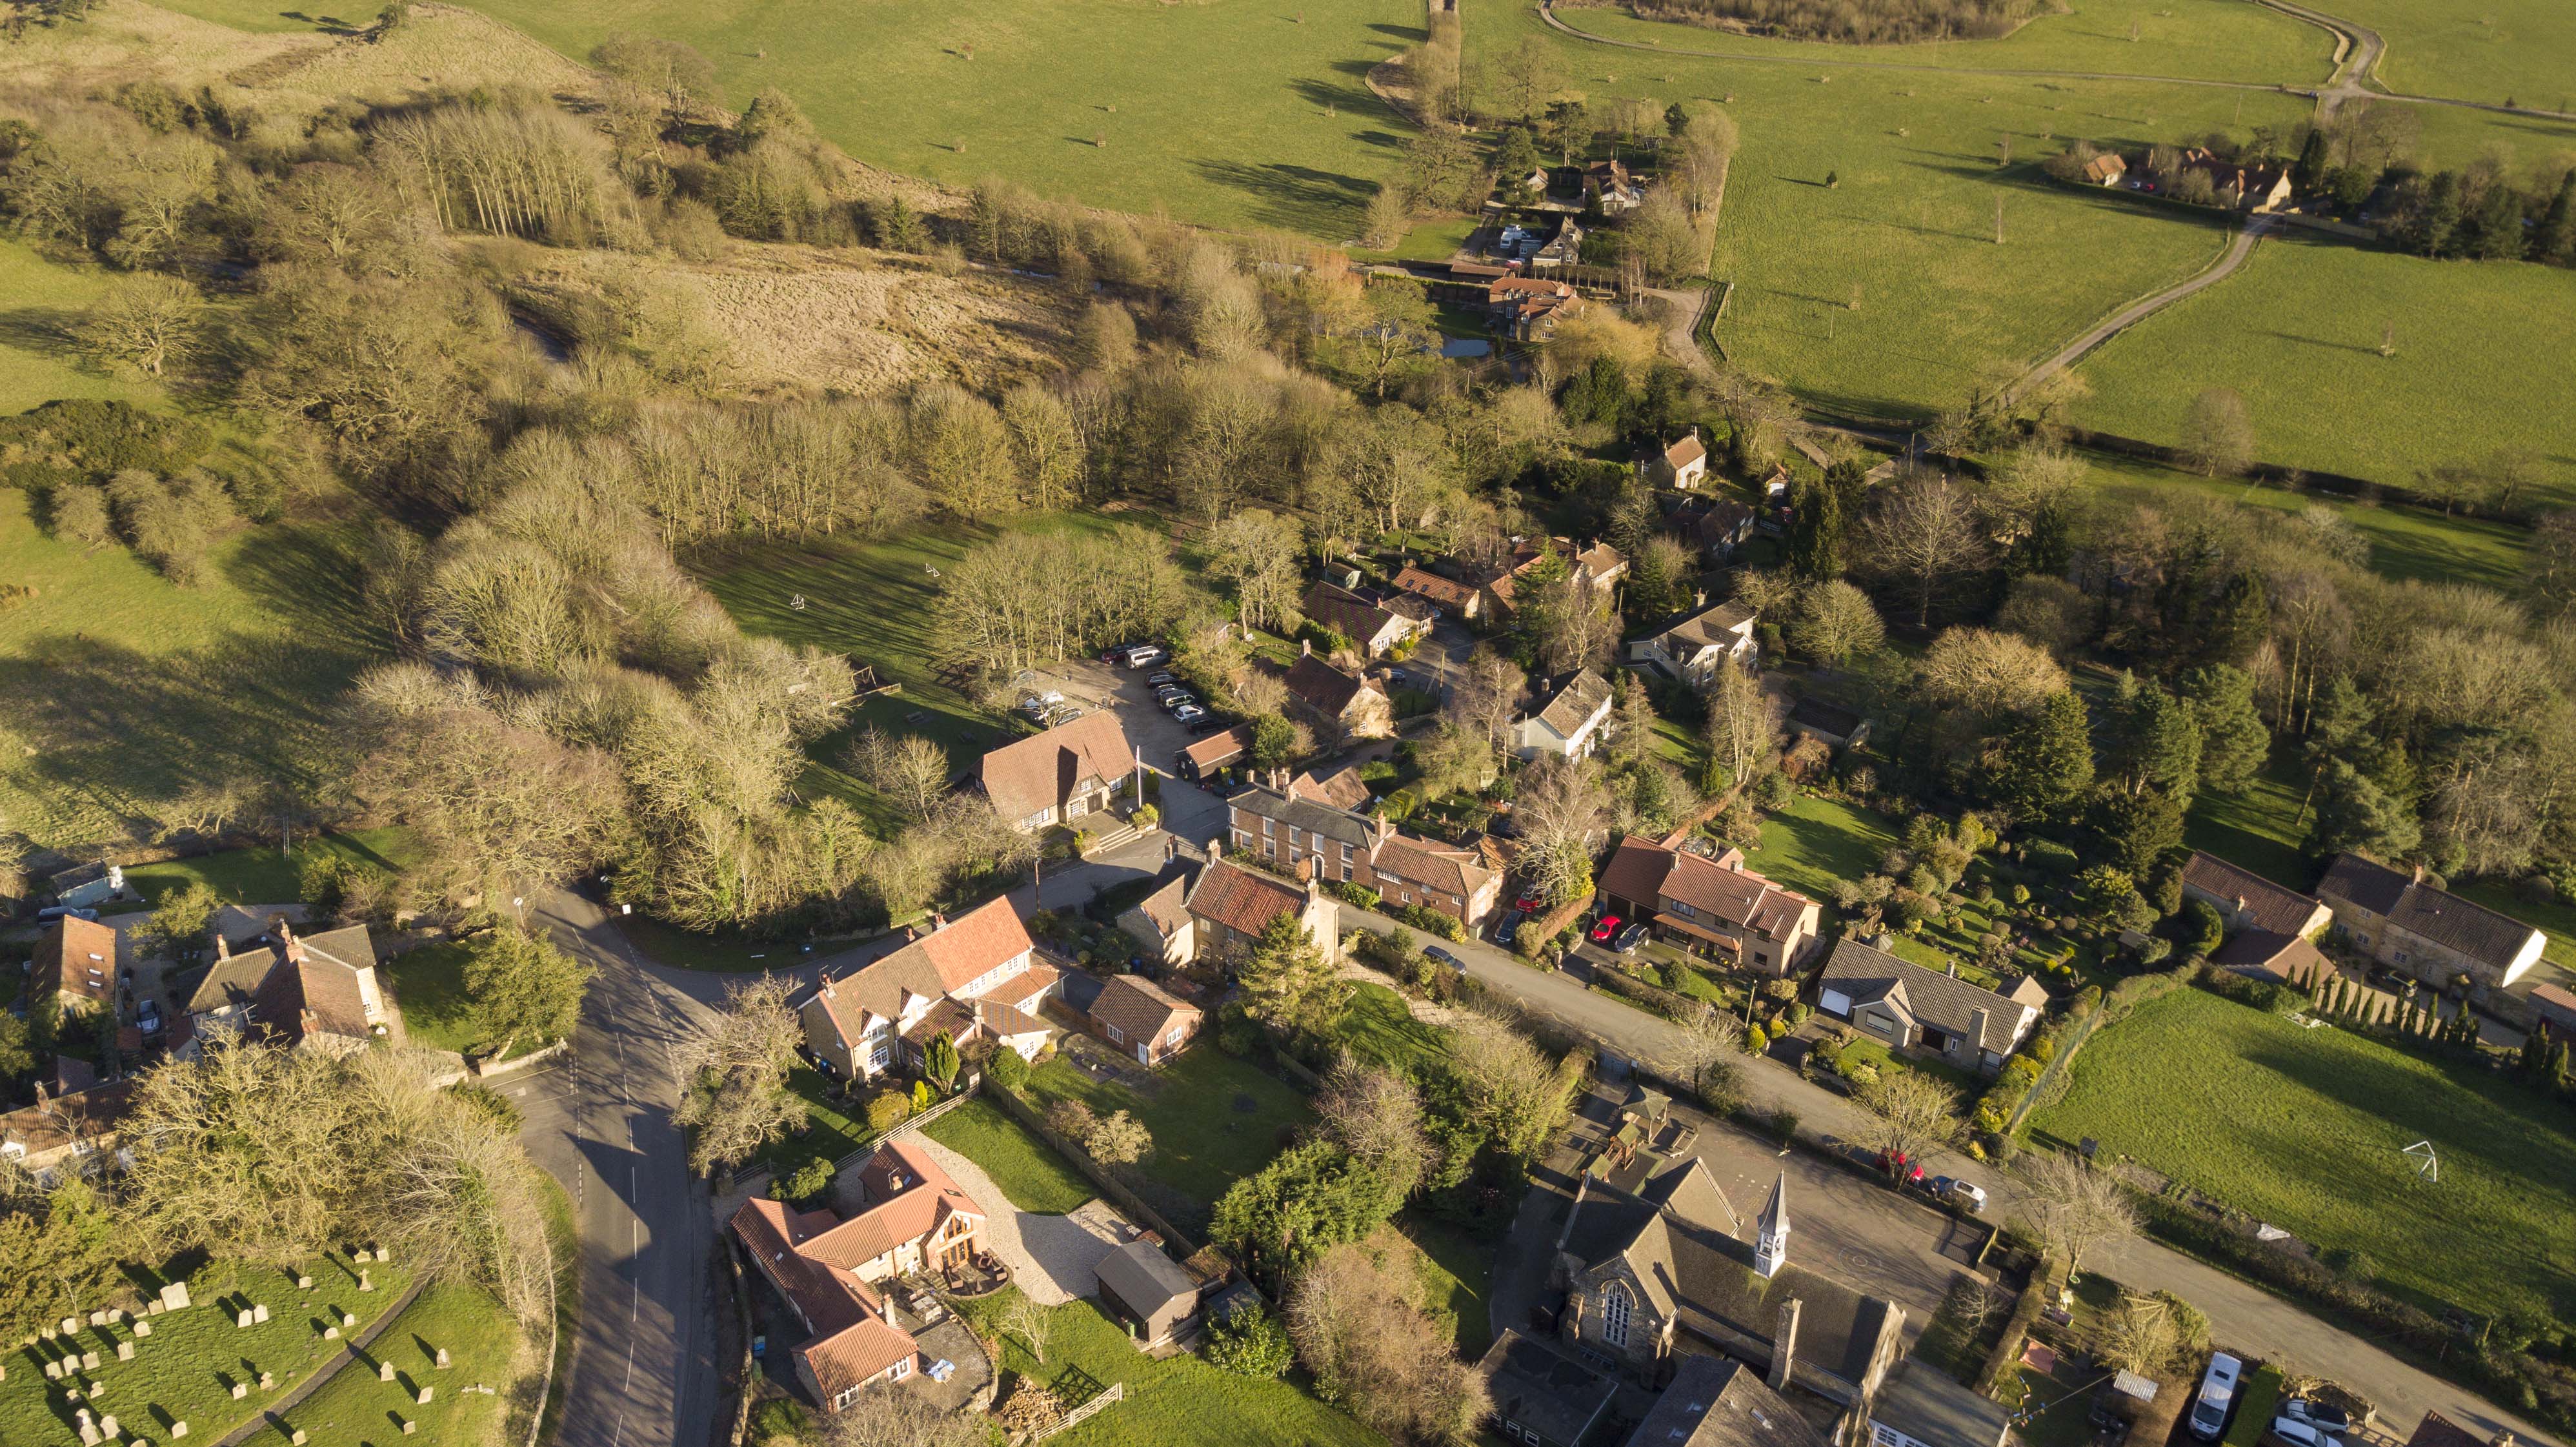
(1179, 1402)
(2305, 1129)
(354, 1409)
(1026, 1168)
(1215, 1119)
(2476, 366)
(184, 1371)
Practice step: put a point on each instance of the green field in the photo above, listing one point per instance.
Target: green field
(44, 300)
(268, 875)
(2304, 1128)
(355, 1409)
(1229, 113)
(1177, 1402)
(184, 1371)
(1027, 1169)
(2192, 39)
(2537, 150)
(2487, 51)
(2479, 361)
(2405, 542)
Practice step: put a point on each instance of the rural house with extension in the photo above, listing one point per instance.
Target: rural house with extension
(1373, 627)
(1692, 649)
(2271, 928)
(1683, 465)
(1296, 832)
(1714, 905)
(1913, 1008)
(1567, 718)
(1342, 702)
(319, 991)
(1232, 904)
(2432, 934)
(974, 978)
(1061, 775)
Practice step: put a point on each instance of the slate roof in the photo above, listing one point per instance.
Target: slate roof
(1245, 900)
(1714, 627)
(1038, 772)
(1574, 702)
(1346, 612)
(2435, 914)
(1542, 1388)
(1141, 1010)
(77, 957)
(2268, 906)
(1824, 717)
(1310, 815)
(1323, 687)
(1932, 1408)
(1145, 1278)
(294, 985)
(1344, 790)
(1945, 1001)
(1715, 1402)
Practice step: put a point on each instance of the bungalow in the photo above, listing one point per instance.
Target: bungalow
(1683, 465)
(1060, 775)
(1144, 1019)
(1355, 706)
(2105, 169)
(1201, 761)
(319, 990)
(1540, 1395)
(1695, 647)
(974, 978)
(1231, 905)
(1447, 594)
(1567, 718)
(2432, 934)
(1375, 628)
(914, 1218)
(1147, 1292)
(1912, 1008)
(1710, 904)
(76, 964)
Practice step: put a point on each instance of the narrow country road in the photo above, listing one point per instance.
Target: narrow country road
(2239, 247)
(2242, 1316)
(641, 1368)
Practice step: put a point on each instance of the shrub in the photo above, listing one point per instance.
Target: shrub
(1236, 1031)
(1008, 1070)
(1756, 1039)
(1359, 896)
(888, 1109)
(1071, 1119)
(780, 1420)
(1400, 805)
(1249, 1343)
(807, 1181)
(2051, 856)
(1432, 921)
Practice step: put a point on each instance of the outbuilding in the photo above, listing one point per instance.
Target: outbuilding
(1147, 1291)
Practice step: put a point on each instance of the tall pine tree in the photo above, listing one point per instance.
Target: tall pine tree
(2046, 766)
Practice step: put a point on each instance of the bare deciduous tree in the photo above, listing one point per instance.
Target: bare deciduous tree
(907, 768)
(2075, 1209)
(1377, 1116)
(1924, 536)
(148, 322)
(1357, 1321)
(738, 1099)
(1743, 723)
(1560, 808)
(1908, 1114)
(1262, 554)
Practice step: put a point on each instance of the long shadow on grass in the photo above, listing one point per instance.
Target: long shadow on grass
(1317, 202)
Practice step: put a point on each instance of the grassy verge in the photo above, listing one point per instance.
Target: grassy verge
(1027, 1169)
(2304, 1128)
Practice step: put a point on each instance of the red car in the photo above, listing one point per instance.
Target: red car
(1526, 904)
(1900, 1168)
(1608, 926)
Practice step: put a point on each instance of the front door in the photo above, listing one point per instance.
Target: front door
(1142, 1055)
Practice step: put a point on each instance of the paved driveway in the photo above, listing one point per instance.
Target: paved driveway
(1054, 1259)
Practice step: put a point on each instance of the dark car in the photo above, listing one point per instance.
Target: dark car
(1603, 932)
(147, 1016)
(1629, 938)
(1434, 952)
(1510, 926)
(1210, 724)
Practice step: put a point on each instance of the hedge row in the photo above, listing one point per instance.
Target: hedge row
(2026, 1309)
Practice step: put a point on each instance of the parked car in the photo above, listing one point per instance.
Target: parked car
(1962, 1194)
(1121, 651)
(1901, 1168)
(1035, 705)
(147, 1016)
(1189, 713)
(1508, 926)
(1629, 938)
(1159, 680)
(1147, 654)
(2217, 1393)
(1434, 952)
(1526, 903)
(1176, 702)
(2324, 1415)
(2303, 1434)
(1605, 929)
(1210, 724)
(1063, 713)
(65, 911)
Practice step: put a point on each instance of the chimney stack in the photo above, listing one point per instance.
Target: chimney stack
(1977, 1032)
(1784, 1345)
(1305, 647)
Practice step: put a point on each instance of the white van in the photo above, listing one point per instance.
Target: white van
(2217, 1393)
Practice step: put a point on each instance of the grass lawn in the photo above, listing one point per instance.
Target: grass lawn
(2256, 830)
(1457, 1271)
(2405, 542)
(830, 1130)
(1215, 1119)
(354, 1409)
(2298, 332)
(1860, 1049)
(1027, 1169)
(728, 950)
(1229, 115)
(1815, 843)
(1379, 1028)
(2304, 1128)
(1181, 1402)
(126, 691)
(36, 357)
(429, 984)
(267, 875)
(184, 1371)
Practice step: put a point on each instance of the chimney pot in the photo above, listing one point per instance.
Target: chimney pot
(1305, 647)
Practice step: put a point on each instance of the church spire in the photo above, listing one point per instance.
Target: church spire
(1771, 1247)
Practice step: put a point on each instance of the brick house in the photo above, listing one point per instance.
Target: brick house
(1599, 567)
(1345, 702)
(1144, 1019)
(318, 990)
(914, 1218)
(1659, 1274)
(2431, 934)
(1913, 1008)
(1231, 904)
(974, 978)
(76, 965)
(1060, 775)
(1715, 905)
(1683, 465)
(1295, 832)
(1448, 594)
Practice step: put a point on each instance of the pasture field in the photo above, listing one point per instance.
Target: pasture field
(2537, 150)
(2478, 362)
(2191, 39)
(2405, 542)
(126, 690)
(2304, 1128)
(1229, 113)
(2491, 51)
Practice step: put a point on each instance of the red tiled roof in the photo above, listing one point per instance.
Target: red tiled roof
(1218, 750)
(1140, 1009)
(1346, 612)
(975, 942)
(1243, 899)
(1038, 772)
(77, 957)
(1447, 592)
(1429, 863)
(1685, 452)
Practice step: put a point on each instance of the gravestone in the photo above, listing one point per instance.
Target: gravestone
(155, 1307)
(241, 1319)
(259, 1312)
(410, 1426)
(330, 1333)
(424, 1395)
(116, 1313)
(53, 1371)
(107, 1425)
(125, 1351)
(98, 1318)
(348, 1318)
(304, 1283)
(178, 1430)
(364, 1284)
(175, 1295)
(71, 1326)
(240, 1390)
(442, 1359)
(142, 1328)
(89, 1435)
(384, 1371)
(298, 1438)
(266, 1381)
(89, 1361)
(381, 1253)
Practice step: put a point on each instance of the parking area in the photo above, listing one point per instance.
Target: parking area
(1092, 685)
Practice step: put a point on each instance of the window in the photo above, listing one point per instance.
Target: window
(877, 1058)
(902, 1369)
(844, 1397)
(1116, 1037)
(1294, 835)
(1269, 826)
(1679, 908)
(1614, 1317)
(1877, 1023)
(1346, 871)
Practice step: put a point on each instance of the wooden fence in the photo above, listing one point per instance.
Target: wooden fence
(1117, 1393)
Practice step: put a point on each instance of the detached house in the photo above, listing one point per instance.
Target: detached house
(1696, 647)
(2431, 934)
(1373, 627)
(1143, 1019)
(1354, 705)
(1607, 185)
(1303, 834)
(317, 990)
(1912, 1008)
(1567, 718)
(76, 965)
(1683, 465)
(1231, 905)
(1599, 567)
(1527, 309)
(2269, 927)
(913, 1218)
(1658, 1275)
(1446, 594)
(1060, 775)
(974, 978)
(1710, 904)
(1714, 527)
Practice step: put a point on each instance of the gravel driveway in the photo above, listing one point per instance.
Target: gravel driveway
(1055, 1259)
